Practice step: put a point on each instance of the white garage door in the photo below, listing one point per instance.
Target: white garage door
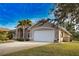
(44, 35)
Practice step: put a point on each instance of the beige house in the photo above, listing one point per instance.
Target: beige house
(47, 32)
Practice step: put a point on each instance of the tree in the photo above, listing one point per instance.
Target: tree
(76, 36)
(67, 15)
(10, 35)
(26, 22)
(65, 10)
(69, 27)
(3, 36)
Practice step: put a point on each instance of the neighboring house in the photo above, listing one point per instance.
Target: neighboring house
(4, 29)
(47, 32)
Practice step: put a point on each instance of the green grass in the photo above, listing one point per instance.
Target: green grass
(56, 49)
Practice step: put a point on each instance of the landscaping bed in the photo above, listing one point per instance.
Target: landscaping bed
(6, 41)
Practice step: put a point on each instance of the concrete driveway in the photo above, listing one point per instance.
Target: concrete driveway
(17, 46)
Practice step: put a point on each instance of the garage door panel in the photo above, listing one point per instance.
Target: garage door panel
(44, 35)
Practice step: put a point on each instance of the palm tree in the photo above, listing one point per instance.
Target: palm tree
(24, 24)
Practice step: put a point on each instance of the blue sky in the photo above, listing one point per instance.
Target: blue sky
(11, 13)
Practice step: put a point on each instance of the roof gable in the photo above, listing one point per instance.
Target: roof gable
(52, 25)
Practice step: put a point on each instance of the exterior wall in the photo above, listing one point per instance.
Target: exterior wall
(63, 36)
(22, 34)
(56, 35)
(60, 36)
(66, 37)
(31, 35)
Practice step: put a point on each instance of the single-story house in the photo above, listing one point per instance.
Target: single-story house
(47, 32)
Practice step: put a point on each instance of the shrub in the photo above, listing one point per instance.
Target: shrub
(3, 36)
(10, 35)
(22, 39)
(75, 36)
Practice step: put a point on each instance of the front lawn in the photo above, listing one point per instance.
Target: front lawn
(56, 49)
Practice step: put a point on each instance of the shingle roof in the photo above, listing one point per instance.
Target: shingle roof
(60, 27)
(63, 29)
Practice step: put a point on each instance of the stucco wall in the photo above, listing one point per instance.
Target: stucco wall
(66, 37)
(63, 36)
(60, 36)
